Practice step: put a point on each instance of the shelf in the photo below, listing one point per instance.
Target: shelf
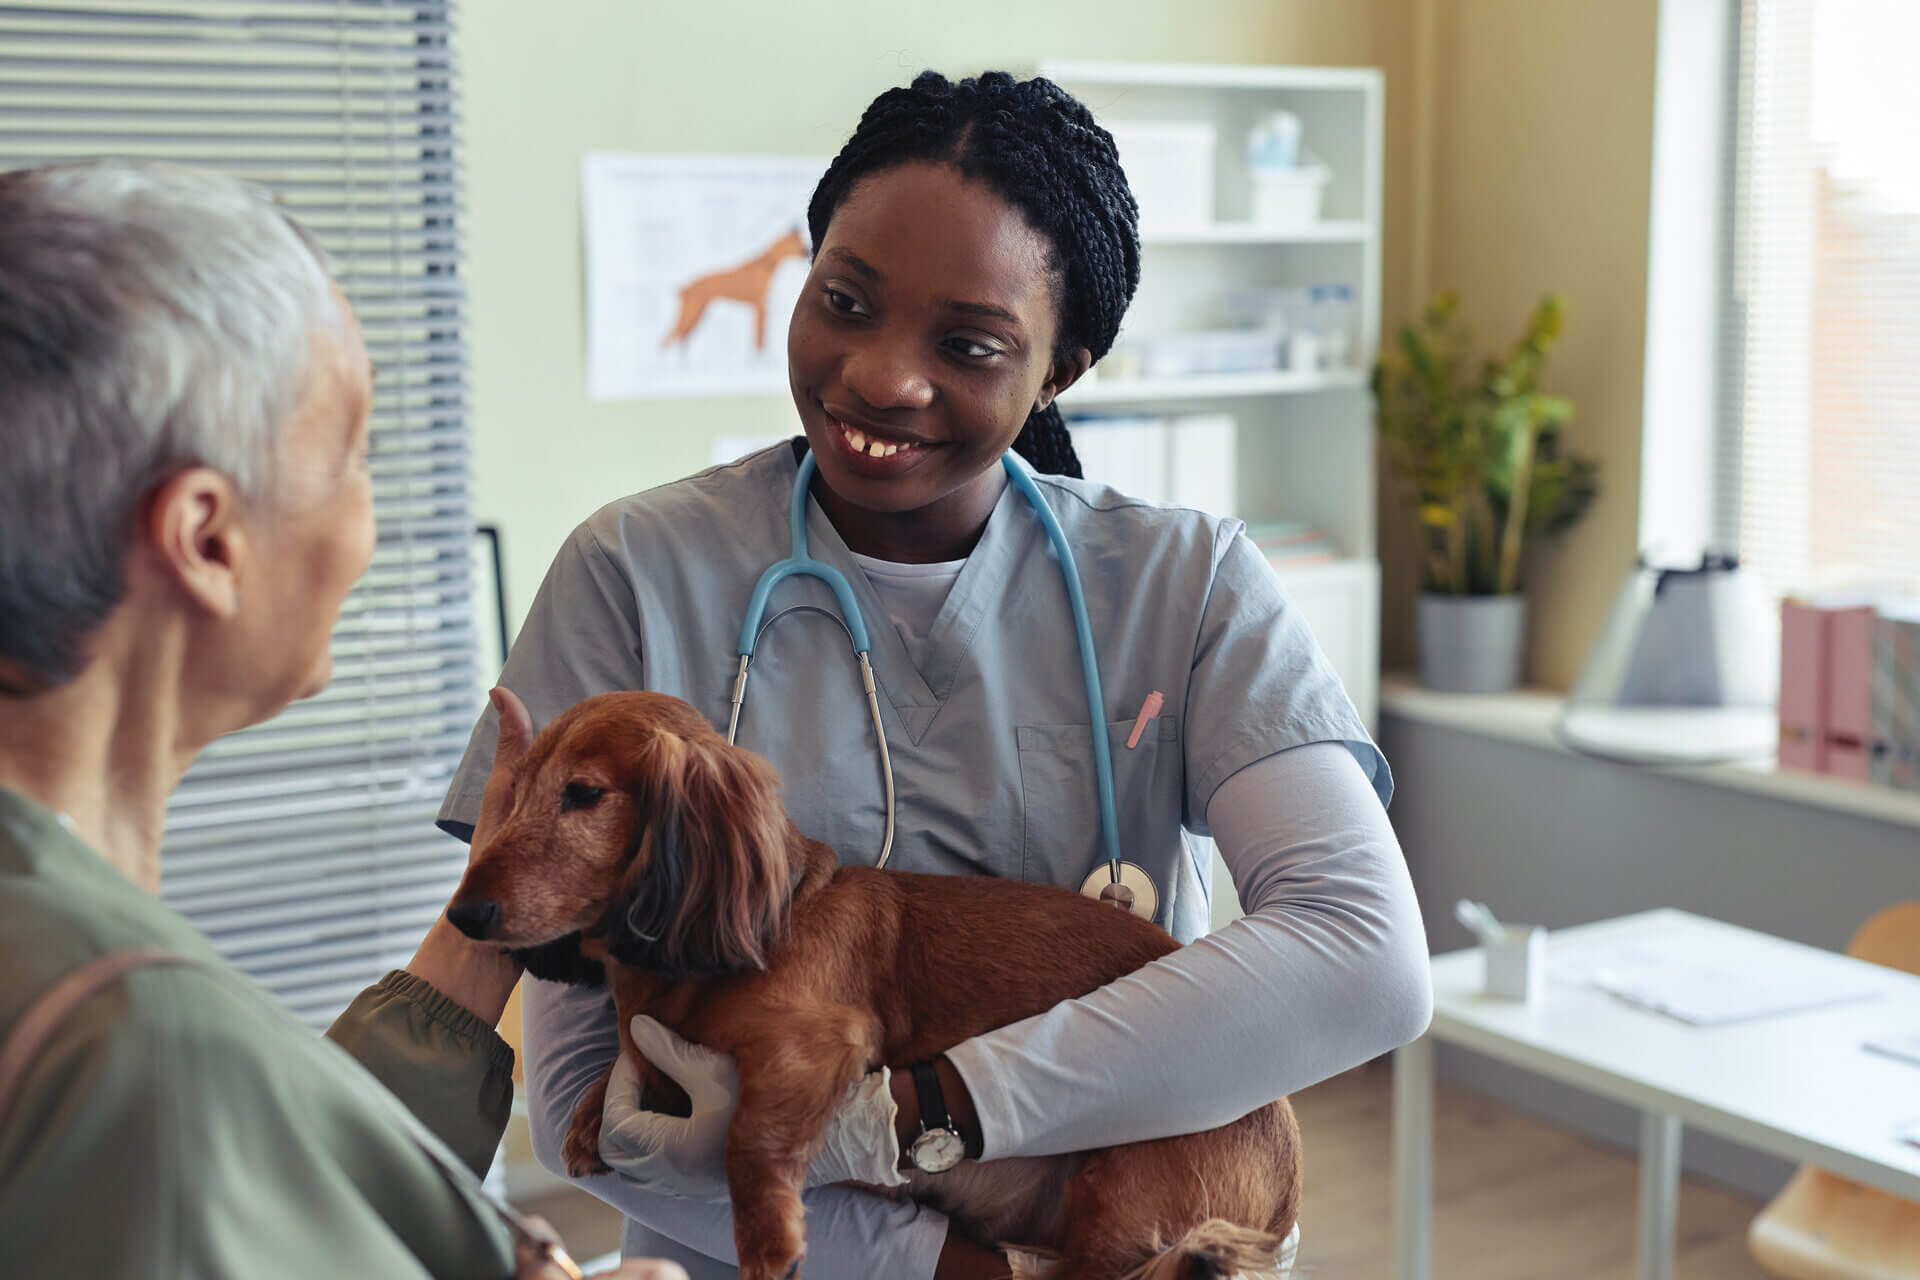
(1192, 76)
(1526, 716)
(1351, 231)
(1213, 387)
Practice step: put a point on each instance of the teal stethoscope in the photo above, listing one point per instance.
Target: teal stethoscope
(1113, 879)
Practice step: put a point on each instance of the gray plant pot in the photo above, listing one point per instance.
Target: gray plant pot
(1472, 644)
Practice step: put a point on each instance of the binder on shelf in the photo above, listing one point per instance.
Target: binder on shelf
(1850, 692)
(1200, 470)
(1187, 461)
(1895, 751)
(1803, 685)
(1850, 687)
(1127, 452)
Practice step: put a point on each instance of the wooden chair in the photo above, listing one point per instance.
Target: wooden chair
(1825, 1227)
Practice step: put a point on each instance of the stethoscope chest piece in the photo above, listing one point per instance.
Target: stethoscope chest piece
(1133, 891)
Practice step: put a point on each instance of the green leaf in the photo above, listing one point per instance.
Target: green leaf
(1480, 449)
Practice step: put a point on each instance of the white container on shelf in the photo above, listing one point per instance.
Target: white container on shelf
(1288, 197)
(1192, 355)
(1169, 165)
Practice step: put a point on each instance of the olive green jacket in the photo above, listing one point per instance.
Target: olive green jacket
(180, 1124)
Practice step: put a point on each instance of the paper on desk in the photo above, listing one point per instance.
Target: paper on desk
(1700, 985)
(1905, 1047)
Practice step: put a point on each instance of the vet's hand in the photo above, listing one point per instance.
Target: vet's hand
(516, 735)
(682, 1156)
(686, 1156)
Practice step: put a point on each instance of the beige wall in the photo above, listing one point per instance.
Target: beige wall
(1534, 176)
(1542, 149)
(544, 83)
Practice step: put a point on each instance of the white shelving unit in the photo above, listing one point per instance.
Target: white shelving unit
(1305, 439)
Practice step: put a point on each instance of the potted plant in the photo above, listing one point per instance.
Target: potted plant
(1487, 471)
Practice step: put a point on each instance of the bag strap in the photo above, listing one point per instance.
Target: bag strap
(44, 1016)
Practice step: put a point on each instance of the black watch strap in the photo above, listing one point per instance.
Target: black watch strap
(933, 1105)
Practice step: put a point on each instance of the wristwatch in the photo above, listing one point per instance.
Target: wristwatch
(938, 1148)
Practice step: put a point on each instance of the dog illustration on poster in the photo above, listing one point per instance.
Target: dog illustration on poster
(748, 283)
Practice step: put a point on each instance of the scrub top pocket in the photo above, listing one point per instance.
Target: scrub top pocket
(1061, 826)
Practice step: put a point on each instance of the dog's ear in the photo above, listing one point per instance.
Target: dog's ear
(710, 878)
(561, 961)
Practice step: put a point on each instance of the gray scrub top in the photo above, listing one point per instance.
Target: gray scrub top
(989, 735)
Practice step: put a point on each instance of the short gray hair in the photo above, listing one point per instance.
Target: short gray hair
(152, 318)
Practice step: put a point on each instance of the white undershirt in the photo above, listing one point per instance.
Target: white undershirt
(912, 593)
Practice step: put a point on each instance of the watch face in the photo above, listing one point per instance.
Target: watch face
(937, 1150)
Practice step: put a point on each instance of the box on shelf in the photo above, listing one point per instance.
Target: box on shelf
(1315, 322)
(1288, 198)
(1169, 166)
(1191, 355)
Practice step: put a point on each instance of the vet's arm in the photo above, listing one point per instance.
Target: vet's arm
(1327, 970)
(571, 1039)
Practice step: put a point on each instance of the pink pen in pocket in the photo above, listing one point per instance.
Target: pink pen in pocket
(1148, 710)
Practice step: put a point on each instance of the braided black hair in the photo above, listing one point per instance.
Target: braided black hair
(1041, 152)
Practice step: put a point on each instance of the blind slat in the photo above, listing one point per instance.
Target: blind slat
(1818, 464)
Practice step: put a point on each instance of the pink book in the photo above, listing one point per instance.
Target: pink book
(1850, 692)
(1803, 686)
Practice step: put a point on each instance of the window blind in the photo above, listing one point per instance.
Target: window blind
(305, 847)
(1818, 469)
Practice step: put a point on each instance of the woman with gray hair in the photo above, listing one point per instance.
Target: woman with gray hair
(184, 504)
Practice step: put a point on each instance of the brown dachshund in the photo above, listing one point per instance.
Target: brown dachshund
(636, 827)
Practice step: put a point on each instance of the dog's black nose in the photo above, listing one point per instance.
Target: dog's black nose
(474, 919)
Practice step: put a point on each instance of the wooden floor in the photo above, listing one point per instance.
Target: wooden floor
(1514, 1200)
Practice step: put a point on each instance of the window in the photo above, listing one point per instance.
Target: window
(305, 847)
(1817, 471)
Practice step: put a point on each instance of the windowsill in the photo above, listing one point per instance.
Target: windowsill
(1527, 717)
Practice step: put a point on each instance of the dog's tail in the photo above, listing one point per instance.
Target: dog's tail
(1221, 1250)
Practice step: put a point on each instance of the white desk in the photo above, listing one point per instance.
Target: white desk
(1797, 1085)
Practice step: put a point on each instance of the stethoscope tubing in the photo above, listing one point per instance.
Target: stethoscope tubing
(800, 563)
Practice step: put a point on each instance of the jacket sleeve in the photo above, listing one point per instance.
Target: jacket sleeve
(452, 1070)
(168, 1130)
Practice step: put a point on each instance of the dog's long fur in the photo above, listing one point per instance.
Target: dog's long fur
(636, 826)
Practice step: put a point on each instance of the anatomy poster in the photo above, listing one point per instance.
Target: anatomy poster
(693, 265)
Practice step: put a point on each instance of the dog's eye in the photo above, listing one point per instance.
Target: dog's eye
(579, 795)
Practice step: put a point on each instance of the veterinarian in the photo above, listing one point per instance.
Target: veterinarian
(184, 503)
(975, 252)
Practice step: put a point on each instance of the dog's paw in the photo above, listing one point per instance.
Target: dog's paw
(772, 1265)
(770, 1235)
(581, 1152)
(581, 1149)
